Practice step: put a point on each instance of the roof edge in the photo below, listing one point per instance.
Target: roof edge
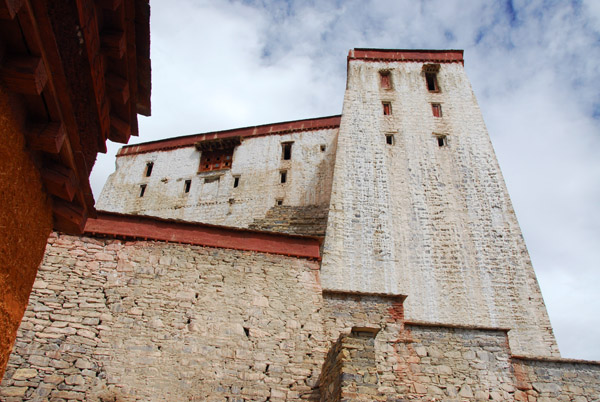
(408, 55)
(139, 227)
(318, 123)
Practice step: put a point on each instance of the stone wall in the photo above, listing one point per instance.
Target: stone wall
(212, 197)
(153, 321)
(307, 220)
(432, 222)
(113, 320)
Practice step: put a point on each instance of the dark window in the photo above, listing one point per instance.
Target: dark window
(142, 190)
(387, 108)
(283, 176)
(286, 149)
(436, 108)
(432, 84)
(323, 147)
(385, 79)
(149, 167)
(441, 140)
(280, 201)
(236, 181)
(389, 139)
(216, 160)
(187, 186)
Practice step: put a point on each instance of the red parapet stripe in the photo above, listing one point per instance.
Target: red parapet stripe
(407, 55)
(151, 228)
(320, 123)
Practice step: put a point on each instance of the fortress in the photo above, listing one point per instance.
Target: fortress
(370, 256)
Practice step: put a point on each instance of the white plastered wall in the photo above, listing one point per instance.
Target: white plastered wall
(257, 161)
(433, 223)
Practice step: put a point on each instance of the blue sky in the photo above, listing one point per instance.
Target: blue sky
(534, 67)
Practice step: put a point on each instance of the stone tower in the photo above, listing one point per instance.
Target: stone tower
(419, 206)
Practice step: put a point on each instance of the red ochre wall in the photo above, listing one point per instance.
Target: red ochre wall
(25, 221)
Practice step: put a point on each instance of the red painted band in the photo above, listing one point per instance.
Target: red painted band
(146, 227)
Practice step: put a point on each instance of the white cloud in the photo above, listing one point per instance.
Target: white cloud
(219, 65)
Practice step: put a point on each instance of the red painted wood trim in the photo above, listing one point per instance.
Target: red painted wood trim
(407, 55)
(256, 131)
(151, 228)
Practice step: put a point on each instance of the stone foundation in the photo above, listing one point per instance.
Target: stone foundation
(111, 320)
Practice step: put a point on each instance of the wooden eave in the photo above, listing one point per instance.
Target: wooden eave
(65, 127)
(218, 144)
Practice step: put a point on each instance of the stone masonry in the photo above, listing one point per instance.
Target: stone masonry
(113, 320)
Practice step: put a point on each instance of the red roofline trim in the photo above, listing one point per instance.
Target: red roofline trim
(151, 228)
(319, 123)
(408, 55)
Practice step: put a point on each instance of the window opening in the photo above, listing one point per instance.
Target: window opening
(216, 160)
(387, 108)
(436, 108)
(187, 186)
(142, 190)
(323, 147)
(280, 201)
(236, 181)
(283, 176)
(441, 140)
(432, 84)
(286, 151)
(389, 139)
(385, 79)
(149, 167)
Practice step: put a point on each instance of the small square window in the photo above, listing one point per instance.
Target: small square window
(236, 181)
(283, 176)
(323, 147)
(432, 84)
(280, 201)
(436, 108)
(286, 151)
(387, 108)
(442, 140)
(187, 186)
(149, 167)
(142, 190)
(385, 79)
(389, 139)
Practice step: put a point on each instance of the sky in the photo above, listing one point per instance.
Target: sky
(534, 66)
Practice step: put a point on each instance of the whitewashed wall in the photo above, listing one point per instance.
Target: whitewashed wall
(434, 223)
(257, 161)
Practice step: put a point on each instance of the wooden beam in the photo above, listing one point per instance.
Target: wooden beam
(117, 88)
(47, 137)
(120, 130)
(24, 74)
(68, 217)
(113, 44)
(9, 8)
(111, 5)
(59, 181)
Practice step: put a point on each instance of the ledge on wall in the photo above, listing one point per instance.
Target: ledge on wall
(170, 230)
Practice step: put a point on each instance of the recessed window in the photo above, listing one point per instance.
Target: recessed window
(436, 108)
(286, 151)
(149, 167)
(442, 141)
(216, 160)
(280, 201)
(187, 186)
(432, 84)
(323, 147)
(385, 79)
(236, 181)
(283, 176)
(142, 190)
(387, 108)
(389, 139)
